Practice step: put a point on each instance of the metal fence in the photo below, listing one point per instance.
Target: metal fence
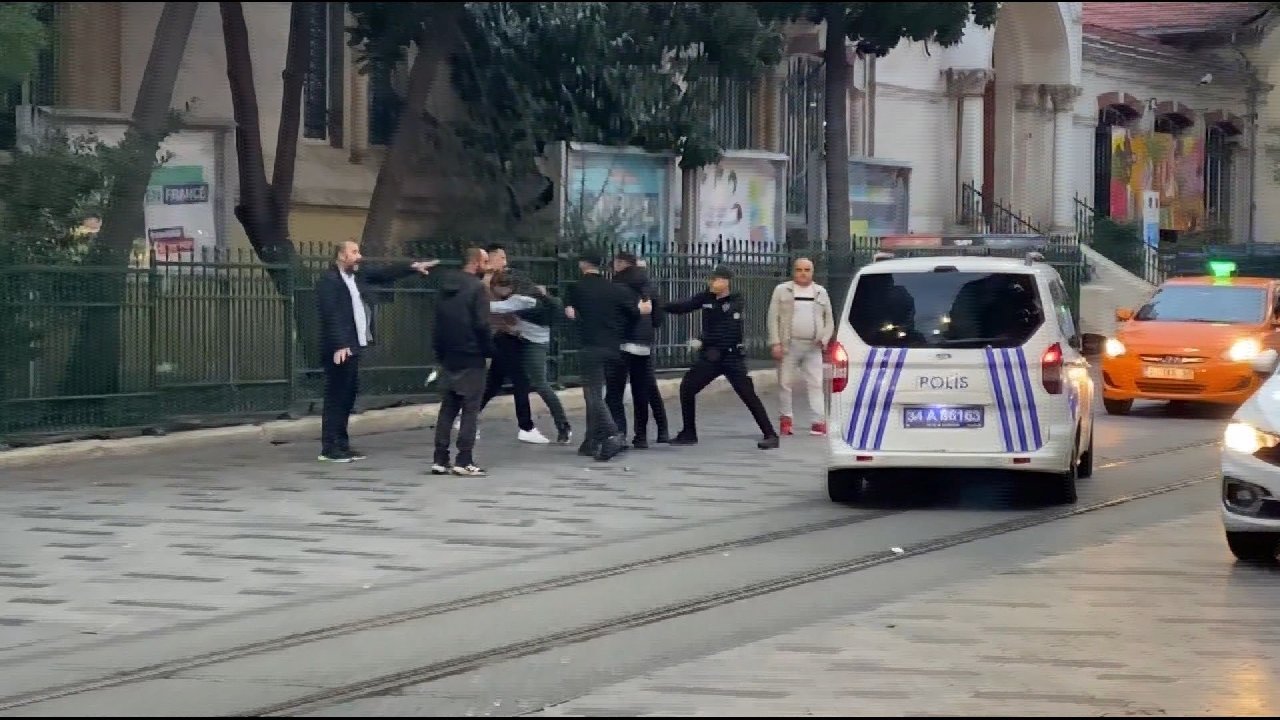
(175, 344)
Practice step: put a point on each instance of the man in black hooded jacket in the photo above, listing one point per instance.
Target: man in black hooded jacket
(462, 341)
(636, 363)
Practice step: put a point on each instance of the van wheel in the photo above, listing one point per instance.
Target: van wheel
(844, 486)
(1085, 469)
(1062, 486)
(1117, 407)
(1257, 547)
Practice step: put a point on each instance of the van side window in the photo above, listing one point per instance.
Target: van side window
(1062, 307)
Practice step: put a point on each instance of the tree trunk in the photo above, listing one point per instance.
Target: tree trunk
(837, 130)
(94, 364)
(434, 44)
(124, 219)
(258, 210)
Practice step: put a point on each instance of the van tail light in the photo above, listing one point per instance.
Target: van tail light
(839, 359)
(1051, 369)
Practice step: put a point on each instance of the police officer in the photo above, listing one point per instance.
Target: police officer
(721, 352)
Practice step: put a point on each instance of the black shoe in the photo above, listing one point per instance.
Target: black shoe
(356, 454)
(640, 443)
(769, 443)
(609, 449)
(662, 438)
(683, 439)
(564, 435)
(588, 449)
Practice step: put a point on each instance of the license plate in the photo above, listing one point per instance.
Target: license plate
(937, 417)
(1157, 372)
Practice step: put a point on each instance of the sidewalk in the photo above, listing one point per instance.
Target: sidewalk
(143, 542)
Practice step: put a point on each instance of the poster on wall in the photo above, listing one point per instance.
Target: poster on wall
(1151, 219)
(179, 213)
(879, 197)
(738, 206)
(619, 193)
(1170, 166)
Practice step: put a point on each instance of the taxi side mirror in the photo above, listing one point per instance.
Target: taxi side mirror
(1266, 362)
(1124, 314)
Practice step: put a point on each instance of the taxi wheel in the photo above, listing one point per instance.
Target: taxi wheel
(1117, 407)
(1085, 469)
(1259, 547)
(844, 486)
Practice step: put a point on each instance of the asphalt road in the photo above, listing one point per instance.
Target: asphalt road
(709, 580)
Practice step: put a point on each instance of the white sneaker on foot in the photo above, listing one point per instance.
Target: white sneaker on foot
(533, 437)
(468, 471)
(439, 469)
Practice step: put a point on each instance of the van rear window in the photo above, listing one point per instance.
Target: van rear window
(946, 309)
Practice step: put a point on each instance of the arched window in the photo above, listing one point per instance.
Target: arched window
(1109, 116)
(1219, 158)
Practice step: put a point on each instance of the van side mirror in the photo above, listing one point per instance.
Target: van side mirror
(1124, 314)
(1265, 363)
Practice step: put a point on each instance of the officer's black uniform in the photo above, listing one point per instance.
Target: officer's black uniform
(722, 353)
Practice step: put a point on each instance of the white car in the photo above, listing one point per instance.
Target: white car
(958, 362)
(1251, 470)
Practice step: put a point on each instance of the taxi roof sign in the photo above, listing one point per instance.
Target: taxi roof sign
(1222, 268)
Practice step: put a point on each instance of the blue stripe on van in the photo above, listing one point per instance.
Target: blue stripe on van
(1013, 399)
(888, 399)
(872, 404)
(857, 401)
(994, 369)
(1031, 399)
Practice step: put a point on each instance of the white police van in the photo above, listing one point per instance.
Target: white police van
(958, 362)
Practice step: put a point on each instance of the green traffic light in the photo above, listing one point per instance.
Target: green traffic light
(1222, 268)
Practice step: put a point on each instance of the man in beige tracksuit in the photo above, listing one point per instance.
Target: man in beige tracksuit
(800, 325)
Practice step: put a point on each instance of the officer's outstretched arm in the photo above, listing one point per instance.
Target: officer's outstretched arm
(684, 307)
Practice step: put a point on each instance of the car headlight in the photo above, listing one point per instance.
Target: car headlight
(1113, 348)
(1244, 350)
(1245, 438)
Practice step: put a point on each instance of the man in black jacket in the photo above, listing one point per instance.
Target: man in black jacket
(462, 341)
(345, 303)
(721, 352)
(605, 313)
(636, 362)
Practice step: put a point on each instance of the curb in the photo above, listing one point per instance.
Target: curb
(276, 432)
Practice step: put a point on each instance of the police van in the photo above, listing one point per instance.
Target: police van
(958, 362)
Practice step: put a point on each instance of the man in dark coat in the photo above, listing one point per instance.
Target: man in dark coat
(636, 362)
(344, 298)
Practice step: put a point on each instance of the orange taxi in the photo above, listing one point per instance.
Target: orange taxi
(1193, 341)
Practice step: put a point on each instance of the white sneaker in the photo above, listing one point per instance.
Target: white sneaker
(533, 437)
(440, 469)
(468, 471)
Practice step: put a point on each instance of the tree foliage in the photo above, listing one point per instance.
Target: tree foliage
(22, 37)
(875, 28)
(637, 74)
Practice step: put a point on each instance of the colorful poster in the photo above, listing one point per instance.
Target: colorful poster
(877, 199)
(1151, 219)
(619, 195)
(179, 213)
(738, 205)
(1170, 166)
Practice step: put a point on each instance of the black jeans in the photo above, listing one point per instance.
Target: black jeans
(508, 365)
(597, 364)
(460, 391)
(734, 368)
(638, 370)
(341, 383)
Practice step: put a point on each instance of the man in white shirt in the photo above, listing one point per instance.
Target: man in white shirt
(801, 323)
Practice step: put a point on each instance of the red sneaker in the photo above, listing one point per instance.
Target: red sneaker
(818, 428)
(785, 425)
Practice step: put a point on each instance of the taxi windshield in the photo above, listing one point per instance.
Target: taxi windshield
(1207, 304)
(946, 309)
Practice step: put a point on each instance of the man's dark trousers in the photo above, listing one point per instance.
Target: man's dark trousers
(461, 392)
(341, 383)
(597, 364)
(638, 369)
(712, 364)
(508, 364)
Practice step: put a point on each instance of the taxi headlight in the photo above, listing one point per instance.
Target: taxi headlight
(1245, 438)
(1244, 350)
(1113, 348)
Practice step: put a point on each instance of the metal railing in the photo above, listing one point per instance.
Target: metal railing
(988, 215)
(175, 343)
(1120, 243)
